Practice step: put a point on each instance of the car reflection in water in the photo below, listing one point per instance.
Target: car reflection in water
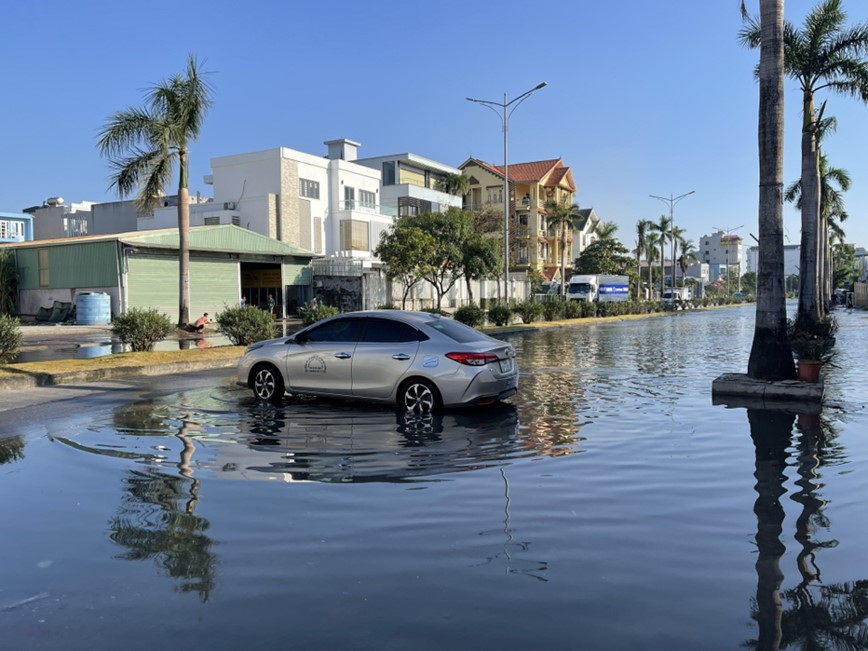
(308, 440)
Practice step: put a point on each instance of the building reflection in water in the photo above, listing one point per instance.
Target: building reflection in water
(811, 615)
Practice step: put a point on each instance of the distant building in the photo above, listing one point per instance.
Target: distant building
(723, 252)
(16, 227)
(791, 259)
(55, 218)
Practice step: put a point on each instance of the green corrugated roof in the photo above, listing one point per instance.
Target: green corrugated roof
(224, 237)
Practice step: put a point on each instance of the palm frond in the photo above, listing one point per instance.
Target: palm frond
(130, 169)
(125, 130)
(155, 183)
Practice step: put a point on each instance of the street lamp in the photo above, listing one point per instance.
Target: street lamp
(672, 201)
(503, 114)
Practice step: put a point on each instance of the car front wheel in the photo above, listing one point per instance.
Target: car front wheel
(268, 384)
(418, 396)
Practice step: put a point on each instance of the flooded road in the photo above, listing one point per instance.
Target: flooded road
(608, 505)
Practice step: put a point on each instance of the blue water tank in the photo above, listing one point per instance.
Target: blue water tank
(93, 308)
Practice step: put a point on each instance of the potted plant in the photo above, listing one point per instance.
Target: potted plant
(813, 349)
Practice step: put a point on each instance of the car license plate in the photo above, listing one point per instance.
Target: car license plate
(506, 365)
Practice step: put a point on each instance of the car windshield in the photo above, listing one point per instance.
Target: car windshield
(455, 330)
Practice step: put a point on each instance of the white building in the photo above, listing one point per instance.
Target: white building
(720, 248)
(791, 259)
(329, 205)
(412, 184)
(56, 219)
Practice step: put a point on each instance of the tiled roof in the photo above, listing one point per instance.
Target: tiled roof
(533, 171)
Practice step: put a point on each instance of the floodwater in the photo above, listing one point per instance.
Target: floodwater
(609, 505)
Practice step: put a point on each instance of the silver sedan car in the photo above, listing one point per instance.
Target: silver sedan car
(416, 360)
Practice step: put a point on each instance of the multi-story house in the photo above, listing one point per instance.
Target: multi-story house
(328, 205)
(533, 244)
(55, 219)
(791, 259)
(721, 251)
(411, 184)
(15, 227)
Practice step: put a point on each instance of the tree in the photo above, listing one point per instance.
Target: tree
(480, 259)
(676, 236)
(563, 216)
(748, 282)
(823, 55)
(652, 241)
(455, 184)
(771, 357)
(8, 283)
(687, 257)
(663, 228)
(405, 250)
(444, 262)
(606, 255)
(143, 145)
(642, 227)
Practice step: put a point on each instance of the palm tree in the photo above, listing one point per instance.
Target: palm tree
(663, 228)
(687, 257)
(832, 212)
(455, 184)
(823, 55)
(652, 240)
(564, 216)
(676, 236)
(642, 227)
(771, 357)
(143, 145)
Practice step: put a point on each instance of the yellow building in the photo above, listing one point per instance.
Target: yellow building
(532, 244)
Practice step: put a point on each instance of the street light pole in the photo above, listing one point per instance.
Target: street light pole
(672, 201)
(504, 114)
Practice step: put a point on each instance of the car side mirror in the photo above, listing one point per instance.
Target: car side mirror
(299, 339)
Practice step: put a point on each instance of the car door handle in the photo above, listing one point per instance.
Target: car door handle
(343, 355)
(401, 357)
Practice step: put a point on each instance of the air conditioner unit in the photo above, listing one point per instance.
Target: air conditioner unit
(228, 205)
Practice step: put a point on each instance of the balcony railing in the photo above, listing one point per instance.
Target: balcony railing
(364, 206)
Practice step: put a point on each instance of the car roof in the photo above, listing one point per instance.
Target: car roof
(398, 315)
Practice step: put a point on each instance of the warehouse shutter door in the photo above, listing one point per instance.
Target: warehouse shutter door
(213, 286)
(153, 284)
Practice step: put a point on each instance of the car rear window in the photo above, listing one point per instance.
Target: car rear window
(455, 330)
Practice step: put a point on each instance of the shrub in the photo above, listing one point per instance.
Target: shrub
(434, 310)
(572, 310)
(499, 314)
(246, 325)
(10, 338)
(589, 309)
(529, 310)
(319, 313)
(553, 310)
(8, 282)
(471, 315)
(141, 328)
(386, 306)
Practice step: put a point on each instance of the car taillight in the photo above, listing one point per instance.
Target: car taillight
(472, 359)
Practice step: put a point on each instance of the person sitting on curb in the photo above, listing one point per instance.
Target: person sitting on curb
(201, 322)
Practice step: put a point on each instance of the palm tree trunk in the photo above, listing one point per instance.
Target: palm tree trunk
(662, 264)
(563, 254)
(650, 279)
(638, 270)
(771, 357)
(810, 310)
(183, 243)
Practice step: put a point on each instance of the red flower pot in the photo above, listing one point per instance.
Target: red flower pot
(809, 370)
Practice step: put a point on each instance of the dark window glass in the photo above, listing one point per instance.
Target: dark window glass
(388, 331)
(339, 330)
(455, 330)
(389, 173)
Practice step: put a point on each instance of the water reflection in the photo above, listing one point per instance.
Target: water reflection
(11, 449)
(810, 615)
(156, 521)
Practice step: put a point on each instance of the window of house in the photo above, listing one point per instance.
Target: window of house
(308, 188)
(495, 194)
(367, 199)
(43, 267)
(18, 229)
(522, 219)
(211, 221)
(349, 198)
(389, 173)
(4, 228)
(354, 235)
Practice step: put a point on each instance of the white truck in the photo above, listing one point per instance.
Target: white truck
(598, 287)
(677, 295)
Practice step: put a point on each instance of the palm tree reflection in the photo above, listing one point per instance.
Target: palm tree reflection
(811, 615)
(11, 449)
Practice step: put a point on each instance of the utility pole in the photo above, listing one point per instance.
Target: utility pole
(672, 201)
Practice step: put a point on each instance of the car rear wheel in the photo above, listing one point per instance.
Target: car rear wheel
(419, 396)
(268, 383)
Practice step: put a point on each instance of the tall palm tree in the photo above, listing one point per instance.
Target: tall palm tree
(663, 228)
(823, 55)
(143, 145)
(771, 356)
(642, 227)
(832, 212)
(676, 236)
(652, 241)
(687, 257)
(563, 216)
(455, 184)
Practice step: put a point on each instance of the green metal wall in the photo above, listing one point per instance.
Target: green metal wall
(92, 264)
(153, 283)
(297, 274)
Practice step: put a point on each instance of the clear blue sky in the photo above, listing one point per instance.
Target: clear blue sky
(643, 97)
